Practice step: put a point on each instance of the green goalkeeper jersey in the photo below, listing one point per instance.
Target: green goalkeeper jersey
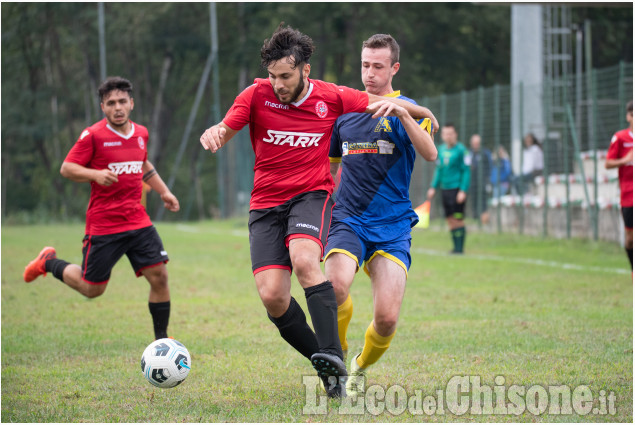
(452, 170)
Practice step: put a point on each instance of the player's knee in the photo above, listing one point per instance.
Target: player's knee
(385, 323)
(93, 291)
(304, 265)
(272, 298)
(340, 288)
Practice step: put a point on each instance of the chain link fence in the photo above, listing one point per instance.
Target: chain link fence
(573, 195)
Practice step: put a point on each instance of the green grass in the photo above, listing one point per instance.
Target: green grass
(508, 308)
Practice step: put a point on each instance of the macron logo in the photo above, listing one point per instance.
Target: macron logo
(84, 134)
(276, 105)
(292, 138)
(130, 167)
(308, 226)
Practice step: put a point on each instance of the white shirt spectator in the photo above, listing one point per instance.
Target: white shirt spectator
(532, 160)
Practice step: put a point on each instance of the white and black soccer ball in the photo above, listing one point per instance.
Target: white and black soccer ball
(166, 363)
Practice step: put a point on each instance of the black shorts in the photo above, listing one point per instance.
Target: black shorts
(627, 214)
(143, 247)
(450, 206)
(307, 215)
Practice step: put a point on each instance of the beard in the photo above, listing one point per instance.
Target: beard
(293, 94)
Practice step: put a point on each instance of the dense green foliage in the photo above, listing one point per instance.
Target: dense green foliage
(50, 71)
(534, 311)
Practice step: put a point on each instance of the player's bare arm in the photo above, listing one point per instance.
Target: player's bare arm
(421, 140)
(620, 162)
(216, 136)
(335, 166)
(416, 111)
(154, 180)
(80, 174)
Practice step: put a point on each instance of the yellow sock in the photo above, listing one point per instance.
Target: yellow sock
(344, 315)
(375, 346)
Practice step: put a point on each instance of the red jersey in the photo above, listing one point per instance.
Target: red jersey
(621, 144)
(291, 142)
(116, 208)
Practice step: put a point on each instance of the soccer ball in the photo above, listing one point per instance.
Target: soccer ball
(165, 363)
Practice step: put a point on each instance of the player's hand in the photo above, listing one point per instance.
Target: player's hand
(105, 177)
(460, 197)
(213, 138)
(431, 193)
(170, 202)
(435, 124)
(384, 108)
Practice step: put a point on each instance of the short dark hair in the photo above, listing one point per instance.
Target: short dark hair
(114, 83)
(285, 42)
(380, 41)
(629, 107)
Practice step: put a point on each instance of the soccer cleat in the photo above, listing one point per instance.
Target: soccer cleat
(330, 369)
(36, 267)
(356, 378)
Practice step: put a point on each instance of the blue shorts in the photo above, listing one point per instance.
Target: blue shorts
(344, 238)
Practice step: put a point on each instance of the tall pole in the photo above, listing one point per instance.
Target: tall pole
(102, 40)
(591, 108)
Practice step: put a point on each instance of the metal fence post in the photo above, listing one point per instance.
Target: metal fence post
(521, 195)
(497, 143)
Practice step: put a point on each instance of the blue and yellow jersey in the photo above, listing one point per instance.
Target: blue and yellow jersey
(377, 158)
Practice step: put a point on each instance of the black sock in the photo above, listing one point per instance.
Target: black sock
(458, 238)
(629, 252)
(295, 330)
(461, 237)
(322, 306)
(56, 266)
(454, 240)
(160, 317)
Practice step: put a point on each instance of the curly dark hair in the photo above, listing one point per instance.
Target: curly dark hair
(285, 42)
(114, 83)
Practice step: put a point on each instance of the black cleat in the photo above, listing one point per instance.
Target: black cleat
(331, 369)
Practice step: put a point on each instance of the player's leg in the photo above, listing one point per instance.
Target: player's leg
(305, 256)
(344, 252)
(340, 271)
(627, 214)
(159, 299)
(148, 258)
(454, 214)
(272, 272)
(388, 280)
(100, 254)
(309, 218)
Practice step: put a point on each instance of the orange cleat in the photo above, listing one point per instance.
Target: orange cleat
(36, 267)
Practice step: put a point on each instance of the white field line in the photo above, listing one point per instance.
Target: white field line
(530, 261)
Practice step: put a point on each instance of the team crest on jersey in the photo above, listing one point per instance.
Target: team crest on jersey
(321, 109)
(141, 142)
(383, 124)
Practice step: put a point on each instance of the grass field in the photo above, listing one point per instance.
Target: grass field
(527, 311)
